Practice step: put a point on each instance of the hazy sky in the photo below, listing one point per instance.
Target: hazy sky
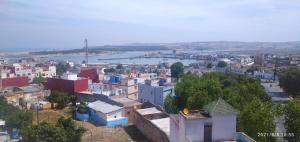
(53, 24)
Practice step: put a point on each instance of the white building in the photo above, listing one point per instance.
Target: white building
(23, 70)
(49, 71)
(154, 92)
(216, 123)
(69, 76)
(129, 86)
(108, 114)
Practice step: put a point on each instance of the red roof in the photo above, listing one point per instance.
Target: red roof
(90, 73)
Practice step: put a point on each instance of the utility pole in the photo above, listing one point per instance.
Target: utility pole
(86, 52)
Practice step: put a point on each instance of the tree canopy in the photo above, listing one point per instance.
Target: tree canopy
(289, 80)
(39, 79)
(222, 64)
(14, 117)
(256, 118)
(119, 66)
(209, 65)
(177, 70)
(64, 130)
(62, 99)
(292, 120)
(194, 92)
(61, 68)
(109, 70)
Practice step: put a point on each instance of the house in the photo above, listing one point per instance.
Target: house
(129, 104)
(154, 91)
(25, 96)
(105, 113)
(23, 70)
(32, 95)
(47, 71)
(129, 86)
(216, 123)
(276, 92)
(13, 97)
(68, 83)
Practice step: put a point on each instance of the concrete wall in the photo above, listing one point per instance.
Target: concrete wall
(224, 127)
(115, 114)
(153, 133)
(183, 130)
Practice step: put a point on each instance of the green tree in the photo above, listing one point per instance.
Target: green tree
(39, 79)
(222, 64)
(177, 70)
(62, 99)
(73, 133)
(119, 66)
(256, 118)
(14, 117)
(292, 120)
(194, 91)
(110, 70)
(44, 132)
(19, 118)
(289, 80)
(209, 65)
(169, 104)
(83, 108)
(61, 68)
(64, 130)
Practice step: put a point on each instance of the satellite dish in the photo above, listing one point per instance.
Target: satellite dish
(186, 111)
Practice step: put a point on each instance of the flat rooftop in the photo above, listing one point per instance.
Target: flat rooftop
(30, 89)
(163, 124)
(272, 87)
(103, 107)
(194, 115)
(151, 110)
(126, 101)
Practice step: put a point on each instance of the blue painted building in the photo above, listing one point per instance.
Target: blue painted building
(115, 79)
(82, 116)
(104, 113)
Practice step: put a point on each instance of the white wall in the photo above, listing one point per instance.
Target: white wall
(224, 127)
(112, 115)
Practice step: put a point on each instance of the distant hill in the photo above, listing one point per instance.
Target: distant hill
(206, 45)
(101, 49)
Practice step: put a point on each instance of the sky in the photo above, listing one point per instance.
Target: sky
(64, 24)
